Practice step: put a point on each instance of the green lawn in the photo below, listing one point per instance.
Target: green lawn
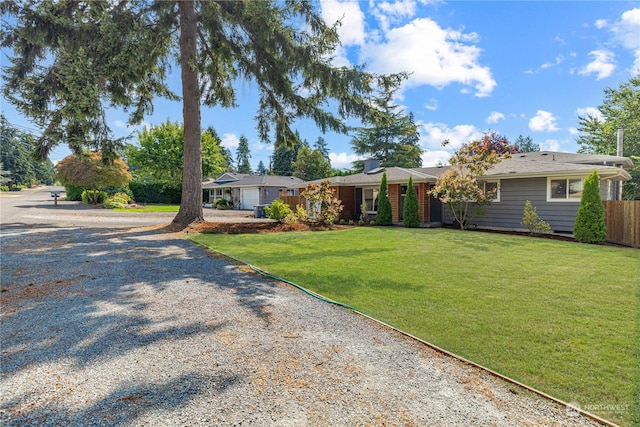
(559, 316)
(151, 208)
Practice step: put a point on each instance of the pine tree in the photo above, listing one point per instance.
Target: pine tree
(261, 169)
(411, 218)
(390, 135)
(321, 145)
(590, 225)
(383, 215)
(243, 155)
(93, 56)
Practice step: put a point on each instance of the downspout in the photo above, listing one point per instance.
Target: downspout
(619, 152)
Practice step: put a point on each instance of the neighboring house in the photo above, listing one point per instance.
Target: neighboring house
(551, 181)
(245, 191)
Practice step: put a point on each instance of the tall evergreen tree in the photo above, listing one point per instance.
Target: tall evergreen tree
(390, 135)
(322, 146)
(599, 133)
(16, 153)
(261, 169)
(74, 59)
(590, 225)
(410, 214)
(242, 156)
(384, 213)
(311, 165)
(283, 158)
(526, 144)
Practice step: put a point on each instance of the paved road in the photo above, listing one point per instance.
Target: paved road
(21, 209)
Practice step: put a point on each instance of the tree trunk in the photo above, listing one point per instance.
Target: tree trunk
(191, 202)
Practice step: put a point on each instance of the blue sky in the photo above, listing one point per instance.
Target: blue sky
(514, 67)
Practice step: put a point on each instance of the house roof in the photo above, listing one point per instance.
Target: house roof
(521, 165)
(238, 180)
(577, 158)
(540, 164)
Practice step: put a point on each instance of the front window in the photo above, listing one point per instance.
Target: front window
(370, 196)
(568, 189)
(492, 189)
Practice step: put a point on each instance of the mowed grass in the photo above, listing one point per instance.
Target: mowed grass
(559, 316)
(151, 208)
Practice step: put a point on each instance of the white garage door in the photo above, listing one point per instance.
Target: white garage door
(249, 197)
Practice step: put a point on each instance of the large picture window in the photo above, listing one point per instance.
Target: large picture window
(564, 189)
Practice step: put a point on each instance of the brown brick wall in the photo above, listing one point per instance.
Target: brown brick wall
(423, 202)
(348, 197)
(394, 198)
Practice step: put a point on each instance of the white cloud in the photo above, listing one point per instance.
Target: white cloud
(432, 105)
(573, 131)
(495, 117)
(261, 146)
(230, 140)
(543, 121)
(352, 30)
(600, 23)
(558, 60)
(432, 158)
(603, 64)
(627, 29)
(434, 55)
(627, 32)
(432, 135)
(550, 145)
(389, 13)
(590, 111)
(343, 160)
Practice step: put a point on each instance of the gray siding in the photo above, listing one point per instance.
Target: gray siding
(509, 210)
(270, 194)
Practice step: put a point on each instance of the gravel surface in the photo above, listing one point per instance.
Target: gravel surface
(104, 325)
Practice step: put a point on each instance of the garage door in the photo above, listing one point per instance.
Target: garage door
(249, 197)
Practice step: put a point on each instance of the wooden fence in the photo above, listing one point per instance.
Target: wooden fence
(623, 222)
(293, 201)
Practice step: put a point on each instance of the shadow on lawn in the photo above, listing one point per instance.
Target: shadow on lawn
(74, 295)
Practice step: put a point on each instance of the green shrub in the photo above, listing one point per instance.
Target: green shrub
(351, 222)
(361, 222)
(94, 197)
(120, 191)
(383, 215)
(372, 222)
(279, 210)
(301, 213)
(411, 218)
(156, 192)
(363, 210)
(590, 226)
(117, 201)
(532, 221)
(4, 188)
(222, 204)
(73, 192)
(342, 221)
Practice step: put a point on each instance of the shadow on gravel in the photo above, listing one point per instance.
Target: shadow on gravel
(126, 404)
(80, 296)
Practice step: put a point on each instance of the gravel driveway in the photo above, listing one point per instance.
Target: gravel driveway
(113, 325)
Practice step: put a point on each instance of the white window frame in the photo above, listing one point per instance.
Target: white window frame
(375, 192)
(567, 185)
(496, 199)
